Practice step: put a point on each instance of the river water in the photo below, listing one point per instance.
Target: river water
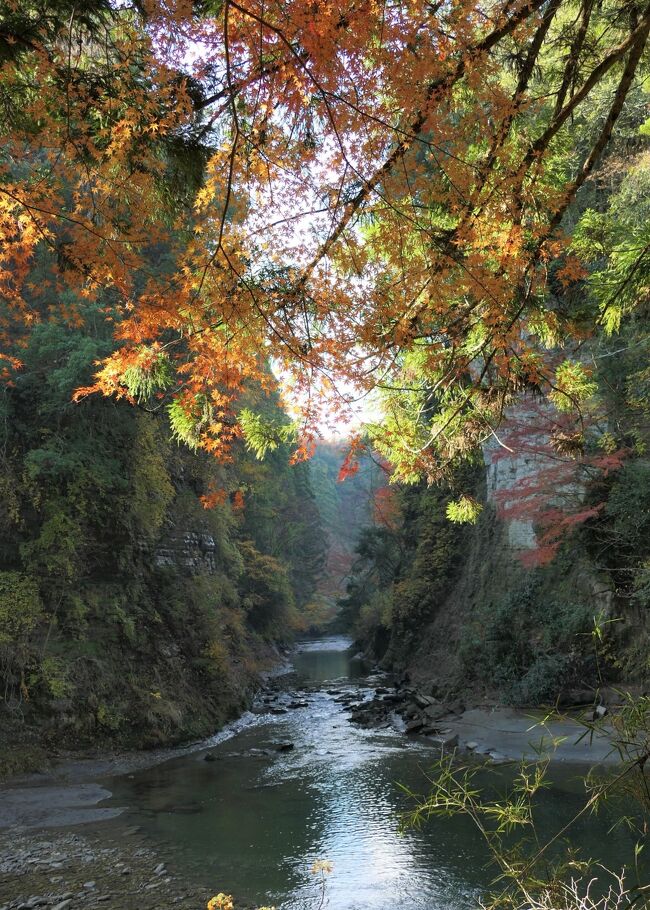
(253, 821)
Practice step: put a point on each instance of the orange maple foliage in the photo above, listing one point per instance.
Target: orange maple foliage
(371, 189)
(237, 503)
(350, 464)
(214, 496)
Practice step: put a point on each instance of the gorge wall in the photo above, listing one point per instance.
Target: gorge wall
(493, 609)
(130, 614)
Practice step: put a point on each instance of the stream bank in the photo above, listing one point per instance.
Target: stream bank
(251, 810)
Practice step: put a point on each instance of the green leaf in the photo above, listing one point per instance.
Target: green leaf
(263, 435)
(464, 510)
(145, 379)
(573, 385)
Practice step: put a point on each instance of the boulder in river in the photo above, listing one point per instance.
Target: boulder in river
(445, 741)
(435, 712)
(576, 698)
(285, 747)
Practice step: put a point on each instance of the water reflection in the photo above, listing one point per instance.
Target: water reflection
(328, 659)
(253, 821)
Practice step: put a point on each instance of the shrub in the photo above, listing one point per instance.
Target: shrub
(54, 676)
(266, 592)
(21, 611)
(528, 646)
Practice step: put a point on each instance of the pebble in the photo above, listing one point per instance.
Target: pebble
(160, 868)
(96, 873)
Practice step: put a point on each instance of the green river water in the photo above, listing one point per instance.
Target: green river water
(253, 824)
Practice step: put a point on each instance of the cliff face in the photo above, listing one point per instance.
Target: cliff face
(186, 550)
(130, 614)
(505, 472)
(482, 610)
(510, 632)
(149, 645)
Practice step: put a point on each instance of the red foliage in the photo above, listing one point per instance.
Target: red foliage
(551, 494)
(350, 464)
(386, 507)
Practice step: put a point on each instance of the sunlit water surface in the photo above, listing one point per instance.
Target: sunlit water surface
(253, 824)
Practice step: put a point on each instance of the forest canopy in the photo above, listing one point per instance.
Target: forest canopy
(372, 196)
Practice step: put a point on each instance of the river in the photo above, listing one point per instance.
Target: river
(253, 821)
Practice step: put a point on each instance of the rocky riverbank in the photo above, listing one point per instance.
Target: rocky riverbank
(493, 732)
(90, 871)
(85, 865)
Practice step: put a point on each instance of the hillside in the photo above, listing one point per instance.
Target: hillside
(130, 613)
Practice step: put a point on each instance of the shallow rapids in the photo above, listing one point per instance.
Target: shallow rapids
(303, 784)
